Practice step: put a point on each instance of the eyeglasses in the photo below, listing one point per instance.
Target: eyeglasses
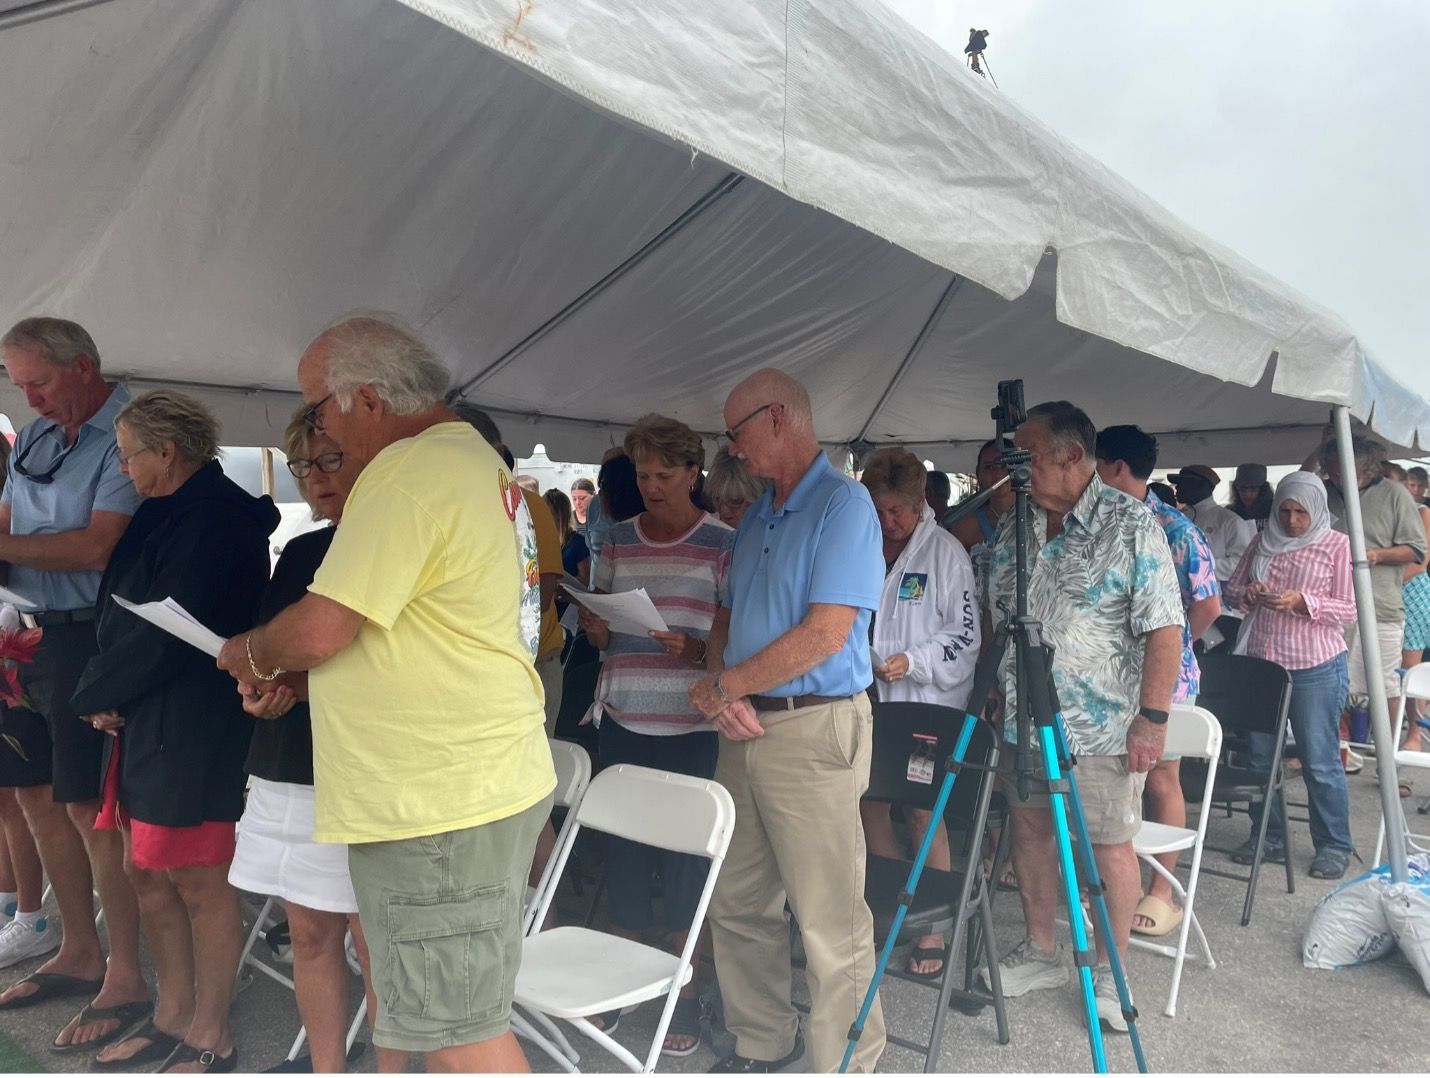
(47, 476)
(125, 458)
(310, 417)
(733, 432)
(327, 463)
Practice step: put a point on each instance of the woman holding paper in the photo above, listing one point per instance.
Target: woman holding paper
(173, 771)
(680, 555)
(926, 637)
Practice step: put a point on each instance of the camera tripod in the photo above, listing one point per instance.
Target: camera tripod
(1036, 707)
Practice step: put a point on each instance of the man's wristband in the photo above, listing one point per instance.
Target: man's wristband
(1155, 716)
(259, 674)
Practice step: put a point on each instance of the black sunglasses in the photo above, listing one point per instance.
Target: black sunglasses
(47, 476)
(734, 431)
(327, 463)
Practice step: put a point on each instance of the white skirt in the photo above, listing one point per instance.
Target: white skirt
(276, 853)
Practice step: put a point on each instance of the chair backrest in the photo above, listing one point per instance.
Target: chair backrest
(1246, 695)
(573, 772)
(660, 808)
(911, 743)
(1417, 682)
(1193, 731)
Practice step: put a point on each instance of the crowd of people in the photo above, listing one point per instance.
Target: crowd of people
(371, 745)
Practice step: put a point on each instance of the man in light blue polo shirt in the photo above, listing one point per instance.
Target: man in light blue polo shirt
(796, 733)
(65, 505)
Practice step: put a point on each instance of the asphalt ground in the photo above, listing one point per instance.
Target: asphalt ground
(1259, 1011)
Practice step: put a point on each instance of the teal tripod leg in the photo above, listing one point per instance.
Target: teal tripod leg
(1099, 906)
(1058, 809)
(950, 773)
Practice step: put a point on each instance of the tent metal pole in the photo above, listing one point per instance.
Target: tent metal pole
(728, 183)
(910, 355)
(1370, 651)
(43, 9)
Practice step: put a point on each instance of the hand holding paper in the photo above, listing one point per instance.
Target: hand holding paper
(625, 611)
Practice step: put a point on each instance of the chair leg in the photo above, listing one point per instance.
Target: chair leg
(995, 979)
(1286, 844)
(526, 1031)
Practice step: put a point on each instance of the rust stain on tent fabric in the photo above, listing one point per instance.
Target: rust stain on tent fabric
(512, 35)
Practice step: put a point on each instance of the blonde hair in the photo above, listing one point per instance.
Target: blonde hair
(669, 439)
(895, 471)
(163, 415)
(729, 481)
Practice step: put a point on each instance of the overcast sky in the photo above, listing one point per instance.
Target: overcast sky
(1296, 132)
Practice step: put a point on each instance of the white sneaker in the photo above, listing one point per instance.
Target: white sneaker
(1109, 1007)
(21, 941)
(1027, 967)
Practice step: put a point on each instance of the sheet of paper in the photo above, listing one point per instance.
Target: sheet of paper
(626, 611)
(174, 619)
(875, 659)
(571, 584)
(18, 601)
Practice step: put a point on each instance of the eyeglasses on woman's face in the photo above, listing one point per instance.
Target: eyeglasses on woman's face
(327, 463)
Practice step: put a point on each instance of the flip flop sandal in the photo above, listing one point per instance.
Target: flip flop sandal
(161, 1045)
(1164, 916)
(52, 986)
(610, 1021)
(1009, 880)
(127, 1014)
(211, 1062)
(685, 1022)
(925, 954)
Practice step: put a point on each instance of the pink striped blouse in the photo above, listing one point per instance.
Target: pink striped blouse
(1322, 573)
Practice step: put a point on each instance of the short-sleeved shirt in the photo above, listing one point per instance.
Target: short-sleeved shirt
(89, 480)
(431, 720)
(1196, 576)
(1098, 587)
(1389, 517)
(548, 560)
(642, 687)
(822, 546)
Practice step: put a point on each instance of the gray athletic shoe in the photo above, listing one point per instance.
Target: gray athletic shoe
(1027, 967)
(1109, 1007)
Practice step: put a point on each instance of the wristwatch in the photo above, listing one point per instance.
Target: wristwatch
(1155, 716)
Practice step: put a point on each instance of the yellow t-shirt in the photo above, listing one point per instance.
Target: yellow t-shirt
(548, 560)
(431, 720)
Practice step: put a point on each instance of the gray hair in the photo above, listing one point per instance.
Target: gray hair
(1368, 452)
(377, 350)
(163, 415)
(1067, 425)
(728, 481)
(59, 340)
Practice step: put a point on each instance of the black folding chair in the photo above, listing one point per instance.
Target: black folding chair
(911, 741)
(1248, 696)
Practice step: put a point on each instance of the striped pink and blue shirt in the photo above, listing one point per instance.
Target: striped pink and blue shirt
(641, 687)
(1321, 572)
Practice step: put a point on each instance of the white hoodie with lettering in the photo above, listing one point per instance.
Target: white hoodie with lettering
(929, 612)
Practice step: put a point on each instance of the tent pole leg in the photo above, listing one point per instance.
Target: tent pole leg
(1370, 650)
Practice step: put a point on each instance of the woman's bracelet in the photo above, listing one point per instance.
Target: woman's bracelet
(704, 649)
(259, 674)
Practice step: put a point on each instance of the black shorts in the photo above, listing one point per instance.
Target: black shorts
(25, 752)
(77, 746)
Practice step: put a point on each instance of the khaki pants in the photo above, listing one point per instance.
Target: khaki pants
(798, 837)
(548, 669)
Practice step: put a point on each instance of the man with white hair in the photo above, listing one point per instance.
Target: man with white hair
(429, 752)
(788, 698)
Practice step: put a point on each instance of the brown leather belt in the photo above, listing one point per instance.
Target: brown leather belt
(789, 703)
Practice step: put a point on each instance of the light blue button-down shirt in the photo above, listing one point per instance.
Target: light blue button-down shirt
(822, 546)
(88, 480)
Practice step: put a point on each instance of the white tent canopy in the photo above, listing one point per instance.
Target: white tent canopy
(599, 209)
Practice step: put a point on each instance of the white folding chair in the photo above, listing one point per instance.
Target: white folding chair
(573, 775)
(1415, 684)
(1191, 732)
(572, 972)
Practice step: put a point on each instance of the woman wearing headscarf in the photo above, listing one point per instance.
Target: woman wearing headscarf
(1294, 583)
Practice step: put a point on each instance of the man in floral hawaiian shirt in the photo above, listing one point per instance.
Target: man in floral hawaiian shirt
(1103, 585)
(1125, 458)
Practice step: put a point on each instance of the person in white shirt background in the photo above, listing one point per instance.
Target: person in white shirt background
(1227, 533)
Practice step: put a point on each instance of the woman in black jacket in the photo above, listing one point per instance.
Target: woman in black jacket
(174, 772)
